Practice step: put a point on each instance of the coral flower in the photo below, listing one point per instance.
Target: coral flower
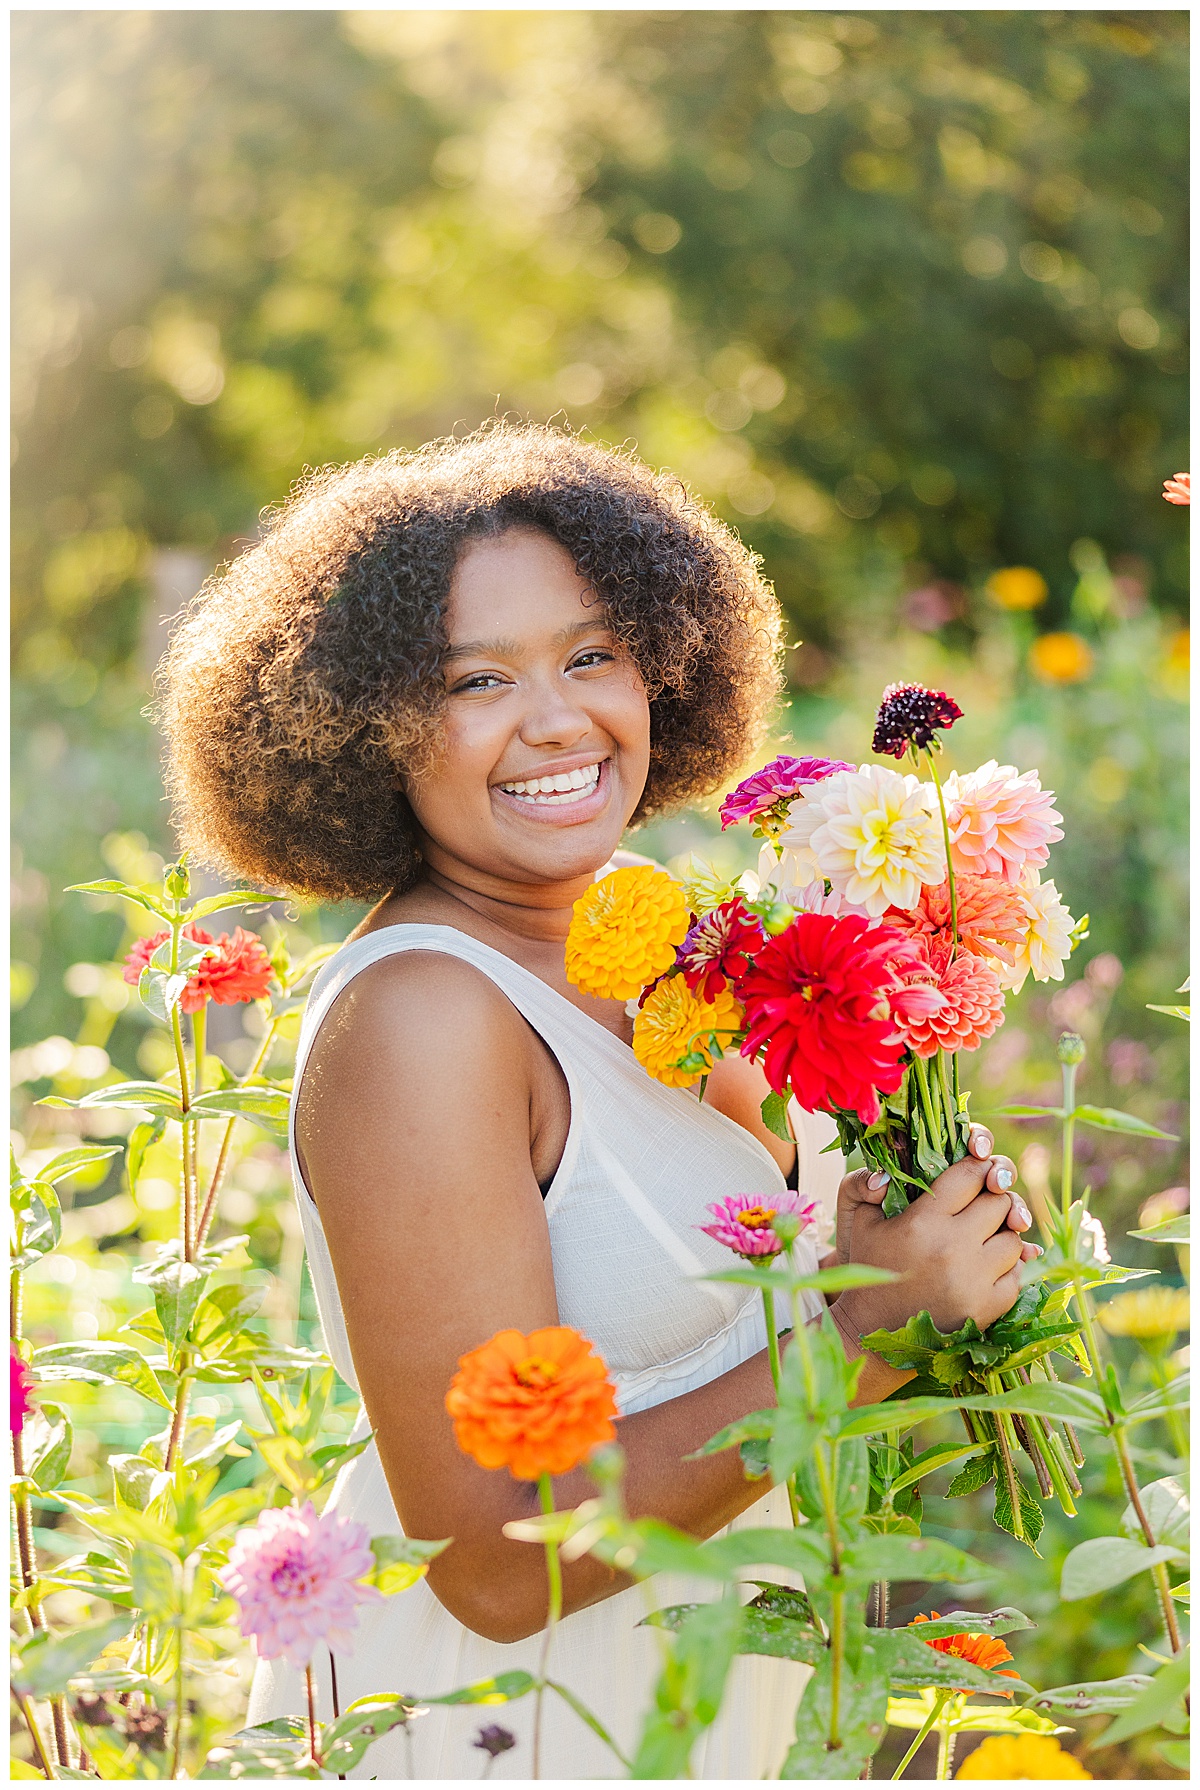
(1061, 658)
(719, 947)
(1178, 489)
(742, 1221)
(993, 920)
(824, 1002)
(624, 931)
(874, 834)
(911, 715)
(777, 783)
(20, 1393)
(983, 1651)
(1017, 587)
(999, 822)
(674, 1023)
(194, 995)
(1047, 942)
(973, 1003)
(1002, 1757)
(534, 1404)
(295, 1576)
(1150, 1314)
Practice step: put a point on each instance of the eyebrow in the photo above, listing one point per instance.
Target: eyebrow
(510, 649)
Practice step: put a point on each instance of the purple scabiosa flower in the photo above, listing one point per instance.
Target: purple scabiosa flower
(494, 1740)
(757, 798)
(295, 1576)
(910, 715)
(742, 1221)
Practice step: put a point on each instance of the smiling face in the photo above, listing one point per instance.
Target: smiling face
(546, 745)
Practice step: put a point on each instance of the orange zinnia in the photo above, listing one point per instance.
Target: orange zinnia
(534, 1404)
(978, 1650)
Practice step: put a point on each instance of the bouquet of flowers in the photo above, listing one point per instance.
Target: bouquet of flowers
(890, 916)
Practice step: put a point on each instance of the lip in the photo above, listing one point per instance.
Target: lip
(564, 814)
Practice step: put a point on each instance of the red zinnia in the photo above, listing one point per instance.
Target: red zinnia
(236, 969)
(194, 995)
(824, 1001)
(973, 1002)
(719, 948)
(20, 1393)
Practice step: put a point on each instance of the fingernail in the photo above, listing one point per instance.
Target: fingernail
(877, 1180)
(1036, 1247)
(1004, 1178)
(1020, 1208)
(982, 1145)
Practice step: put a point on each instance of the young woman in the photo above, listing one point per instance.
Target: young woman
(450, 681)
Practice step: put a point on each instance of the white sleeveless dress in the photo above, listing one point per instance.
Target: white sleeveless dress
(641, 1163)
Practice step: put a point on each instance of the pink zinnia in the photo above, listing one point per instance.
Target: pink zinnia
(972, 1003)
(992, 916)
(20, 1393)
(779, 781)
(999, 822)
(742, 1221)
(295, 1577)
(824, 1002)
(719, 947)
(1178, 489)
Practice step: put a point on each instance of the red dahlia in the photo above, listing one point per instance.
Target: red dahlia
(719, 948)
(824, 1002)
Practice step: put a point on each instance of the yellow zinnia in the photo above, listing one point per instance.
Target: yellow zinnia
(1151, 1312)
(1005, 1756)
(1061, 658)
(675, 1022)
(624, 932)
(1017, 587)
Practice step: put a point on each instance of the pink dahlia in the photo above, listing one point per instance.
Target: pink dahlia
(295, 1576)
(1178, 489)
(824, 1003)
(719, 947)
(999, 822)
(742, 1221)
(20, 1393)
(777, 783)
(992, 916)
(973, 1003)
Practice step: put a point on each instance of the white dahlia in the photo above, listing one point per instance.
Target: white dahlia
(875, 834)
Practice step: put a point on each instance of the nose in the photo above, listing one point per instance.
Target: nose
(554, 715)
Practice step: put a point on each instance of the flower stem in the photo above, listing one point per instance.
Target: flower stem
(768, 1299)
(937, 784)
(939, 1704)
(554, 1611)
(180, 1708)
(314, 1739)
(210, 1198)
(956, 1148)
(1003, 1431)
(932, 1127)
(945, 1758)
(1068, 1136)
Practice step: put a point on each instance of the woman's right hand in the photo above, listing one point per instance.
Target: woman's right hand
(957, 1248)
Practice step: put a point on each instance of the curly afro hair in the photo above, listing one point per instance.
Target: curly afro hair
(307, 675)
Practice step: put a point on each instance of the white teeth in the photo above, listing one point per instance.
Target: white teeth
(564, 786)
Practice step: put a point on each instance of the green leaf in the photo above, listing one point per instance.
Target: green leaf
(400, 1562)
(1106, 1561)
(893, 1414)
(1156, 1703)
(215, 904)
(756, 1426)
(44, 1664)
(99, 1364)
(263, 1106)
(275, 1749)
(1171, 1230)
(974, 1622)
(70, 1162)
(913, 1664)
(805, 1551)
(1100, 1697)
(939, 1456)
(178, 1287)
(862, 1718)
(505, 1687)
(763, 1631)
(1025, 1112)
(774, 1116)
(586, 1716)
(899, 1557)
(1107, 1118)
(1176, 1752)
(141, 1138)
(41, 1226)
(221, 1316)
(975, 1475)
(113, 886)
(344, 1742)
(1184, 1013)
(971, 1718)
(49, 1439)
(1032, 1516)
(148, 1096)
(826, 1280)
(689, 1690)
(1072, 1404)
(1168, 1511)
(154, 1580)
(1176, 1396)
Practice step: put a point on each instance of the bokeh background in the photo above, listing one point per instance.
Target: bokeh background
(901, 294)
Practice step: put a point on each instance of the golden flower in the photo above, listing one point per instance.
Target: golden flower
(1004, 1756)
(674, 1022)
(1149, 1313)
(1061, 658)
(624, 932)
(1017, 587)
(535, 1404)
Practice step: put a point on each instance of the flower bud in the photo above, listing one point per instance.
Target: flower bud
(1071, 1048)
(779, 918)
(176, 881)
(787, 1226)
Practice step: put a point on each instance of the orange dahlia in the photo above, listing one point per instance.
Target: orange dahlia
(624, 931)
(983, 1651)
(992, 918)
(534, 1404)
(674, 1023)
